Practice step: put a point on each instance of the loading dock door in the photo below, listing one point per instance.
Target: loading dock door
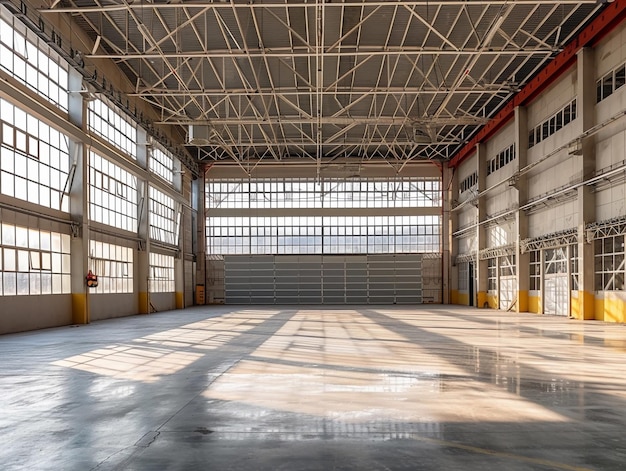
(328, 279)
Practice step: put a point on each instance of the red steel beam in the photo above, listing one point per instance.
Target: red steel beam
(601, 25)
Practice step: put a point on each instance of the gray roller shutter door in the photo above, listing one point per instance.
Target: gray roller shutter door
(328, 279)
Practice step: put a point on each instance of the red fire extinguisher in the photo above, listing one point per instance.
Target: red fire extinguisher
(92, 280)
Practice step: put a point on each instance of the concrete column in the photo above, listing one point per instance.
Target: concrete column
(79, 210)
(179, 284)
(79, 245)
(142, 262)
(585, 164)
(481, 233)
(521, 219)
(450, 277)
(198, 199)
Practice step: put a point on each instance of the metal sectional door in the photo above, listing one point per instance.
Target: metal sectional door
(328, 279)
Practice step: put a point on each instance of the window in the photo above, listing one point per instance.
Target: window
(535, 270)
(108, 122)
(164, 217)
(463, 276)
(492, 280)
(32, 62)
(349, 233)
(553, 124)
(112, 194)
(34, 262)
(573, 253)
(610, 83)
(323, 234)
(468, 182)
(162, 163)
(609, 263)
(34, 159)
(555, 261)
(507, 265)
(278, 193)
(161, 273)
(501, 159)
(113, 264)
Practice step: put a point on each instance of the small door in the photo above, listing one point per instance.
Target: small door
(556, 299)
(506, 293)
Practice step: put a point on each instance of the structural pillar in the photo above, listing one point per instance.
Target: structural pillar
(522, 260)
(482, 290)
(450, 276)
(585, 164)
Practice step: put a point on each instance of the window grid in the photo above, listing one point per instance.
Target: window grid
(112, 125)
(32, 62)
(464, 276)
(609, 263)
(34, 262)
(535, 270)
(161, 273)
(501, 159)
(468, 182)
(163, 217)
(507, 265)
(561, 118)
(162, 164)
(610, 82)
(113, 265)
(329, 193)
(323, 234)
(112, 194)
(574, 267)
(492, 275)
(34, 159)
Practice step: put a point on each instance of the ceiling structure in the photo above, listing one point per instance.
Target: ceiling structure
(327, 81)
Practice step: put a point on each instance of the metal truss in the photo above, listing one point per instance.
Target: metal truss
(549, 241)
(612, 227)
(465, 258)
(494, 252)
(325, 81)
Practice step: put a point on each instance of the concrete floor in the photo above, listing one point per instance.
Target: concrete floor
(305, 388)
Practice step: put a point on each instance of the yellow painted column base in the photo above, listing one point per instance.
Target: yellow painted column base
(80, 308)
(144, 307)
(482, 299)
(180, 300)
(454, 296)
(586, 306)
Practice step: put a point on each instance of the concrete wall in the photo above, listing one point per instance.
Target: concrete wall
(23, 313)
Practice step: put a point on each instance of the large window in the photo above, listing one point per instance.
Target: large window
(162, 163)
(164, 217)
(112, 194)
(34, 262)
(609, 263)
(327, 193)
(161, 273)
(113, 125)
(31, 61)
(323, 234)
(329, 216)
(113, 264)
(34, 159)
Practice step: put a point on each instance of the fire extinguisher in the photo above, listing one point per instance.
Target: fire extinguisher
(92, 280)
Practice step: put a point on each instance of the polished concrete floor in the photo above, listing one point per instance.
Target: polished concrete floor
(310, 388)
